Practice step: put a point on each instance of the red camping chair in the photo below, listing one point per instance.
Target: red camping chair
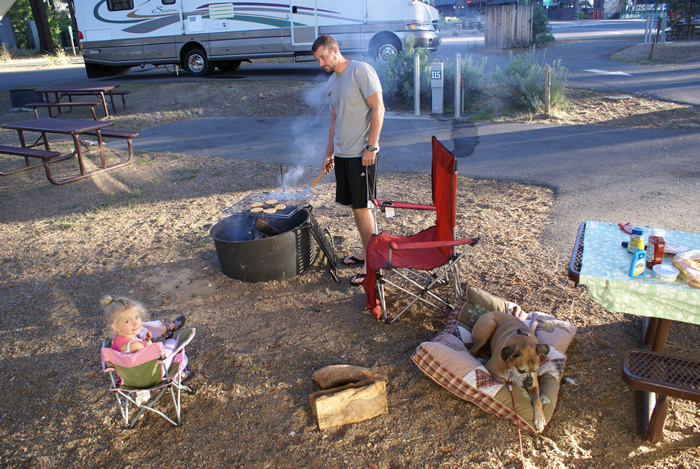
(397, 260)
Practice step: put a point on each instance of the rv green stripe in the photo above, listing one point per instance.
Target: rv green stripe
(262, 20)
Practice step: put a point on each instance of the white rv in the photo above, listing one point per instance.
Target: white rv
(198, 36)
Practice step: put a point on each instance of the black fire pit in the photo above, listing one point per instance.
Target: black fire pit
(251, 256)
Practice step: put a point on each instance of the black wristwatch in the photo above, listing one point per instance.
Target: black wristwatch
(371, 148)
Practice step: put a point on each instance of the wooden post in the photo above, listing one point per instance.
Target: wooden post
(416, 85)
(547, 87)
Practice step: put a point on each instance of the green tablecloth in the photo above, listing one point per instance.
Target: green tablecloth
(605, 267)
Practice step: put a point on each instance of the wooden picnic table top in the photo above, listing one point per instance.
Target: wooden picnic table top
(57, 126)
(102, 87)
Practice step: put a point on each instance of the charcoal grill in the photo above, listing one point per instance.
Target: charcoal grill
(245, 253)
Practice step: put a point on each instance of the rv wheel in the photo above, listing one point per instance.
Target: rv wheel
(196, 63)
(384, 46)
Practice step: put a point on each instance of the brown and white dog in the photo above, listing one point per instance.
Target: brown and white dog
(515, 354)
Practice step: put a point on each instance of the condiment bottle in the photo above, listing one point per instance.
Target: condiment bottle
(637, 264)
(636, 240)
(655, 248)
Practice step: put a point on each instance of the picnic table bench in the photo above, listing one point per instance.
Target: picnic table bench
(61, 105)
(114, 92)
(27, 153)
(74, 129)
(123, 134)
(664, 375)
(69, 91)
(683, 30)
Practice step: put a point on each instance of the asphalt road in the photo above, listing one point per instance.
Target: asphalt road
(644, 176)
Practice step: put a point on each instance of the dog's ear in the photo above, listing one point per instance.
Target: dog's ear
(542, 349)
(511, 351)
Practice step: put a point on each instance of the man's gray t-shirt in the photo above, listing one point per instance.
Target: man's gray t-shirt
(347, 92)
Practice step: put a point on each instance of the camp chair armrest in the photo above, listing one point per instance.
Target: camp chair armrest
(432, 244)
(387, 203)
(183, 338)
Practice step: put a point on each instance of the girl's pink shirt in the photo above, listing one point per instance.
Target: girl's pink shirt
(119, 341)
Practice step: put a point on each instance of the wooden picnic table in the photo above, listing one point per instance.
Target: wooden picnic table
(74, 128)
(683, 30)
(599, 262)
(61, 91)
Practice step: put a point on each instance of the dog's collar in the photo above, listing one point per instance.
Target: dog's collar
(520, 332)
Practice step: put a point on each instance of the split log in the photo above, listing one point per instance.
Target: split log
(350, 394)
(265, 228)
(338, 375)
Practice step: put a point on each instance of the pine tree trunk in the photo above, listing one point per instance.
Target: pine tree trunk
(46, 45)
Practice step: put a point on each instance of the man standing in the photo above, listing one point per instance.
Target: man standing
(357, 116)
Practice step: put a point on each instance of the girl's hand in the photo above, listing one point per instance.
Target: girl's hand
(148, 336)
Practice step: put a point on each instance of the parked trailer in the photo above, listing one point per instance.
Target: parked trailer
(198, 36)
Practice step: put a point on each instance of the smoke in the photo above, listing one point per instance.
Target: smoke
(309, 138)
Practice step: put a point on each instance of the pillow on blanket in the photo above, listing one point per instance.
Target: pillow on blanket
(447, 361)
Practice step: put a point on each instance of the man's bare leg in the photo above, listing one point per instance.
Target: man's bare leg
(364, 220)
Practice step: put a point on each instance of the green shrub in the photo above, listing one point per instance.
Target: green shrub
(20, 12)
(474, 81)
(541, 30)
(396, 76)
(523, 86)
(5, 53)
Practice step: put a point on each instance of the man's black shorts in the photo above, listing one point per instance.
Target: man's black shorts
(352, 182)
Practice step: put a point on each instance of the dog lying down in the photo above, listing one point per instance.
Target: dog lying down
(514, 355)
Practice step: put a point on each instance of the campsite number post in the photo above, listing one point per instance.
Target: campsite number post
(436, 83)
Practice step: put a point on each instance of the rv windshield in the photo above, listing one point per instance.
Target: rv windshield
(429, 2)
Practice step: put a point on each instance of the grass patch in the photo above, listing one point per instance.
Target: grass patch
(185, 174)
(134, 193)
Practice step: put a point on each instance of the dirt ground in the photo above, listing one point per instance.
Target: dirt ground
(143, 231)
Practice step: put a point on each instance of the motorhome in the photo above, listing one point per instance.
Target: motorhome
(198, 36)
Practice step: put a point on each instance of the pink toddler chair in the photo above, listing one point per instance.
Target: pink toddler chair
(135, 375)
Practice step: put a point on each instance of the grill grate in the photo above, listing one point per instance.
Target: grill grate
(294, 203)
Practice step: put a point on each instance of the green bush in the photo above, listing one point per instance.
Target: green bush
(541, 30)
(396, 76)
(19, 14)
(523, 85)
(5, 53)
(520, 85)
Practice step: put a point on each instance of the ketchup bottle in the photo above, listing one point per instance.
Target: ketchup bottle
(655, 248)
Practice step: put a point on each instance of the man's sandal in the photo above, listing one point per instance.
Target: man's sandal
(177, 324)
(358, 279)
(352, 260)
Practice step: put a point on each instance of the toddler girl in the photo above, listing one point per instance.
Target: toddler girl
(126, 319)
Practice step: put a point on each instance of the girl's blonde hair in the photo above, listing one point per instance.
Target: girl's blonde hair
(114, 307)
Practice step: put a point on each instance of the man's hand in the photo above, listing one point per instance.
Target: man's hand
(328, 163)
(368, 157)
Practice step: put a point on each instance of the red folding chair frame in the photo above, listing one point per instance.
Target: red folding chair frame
(430, 250)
